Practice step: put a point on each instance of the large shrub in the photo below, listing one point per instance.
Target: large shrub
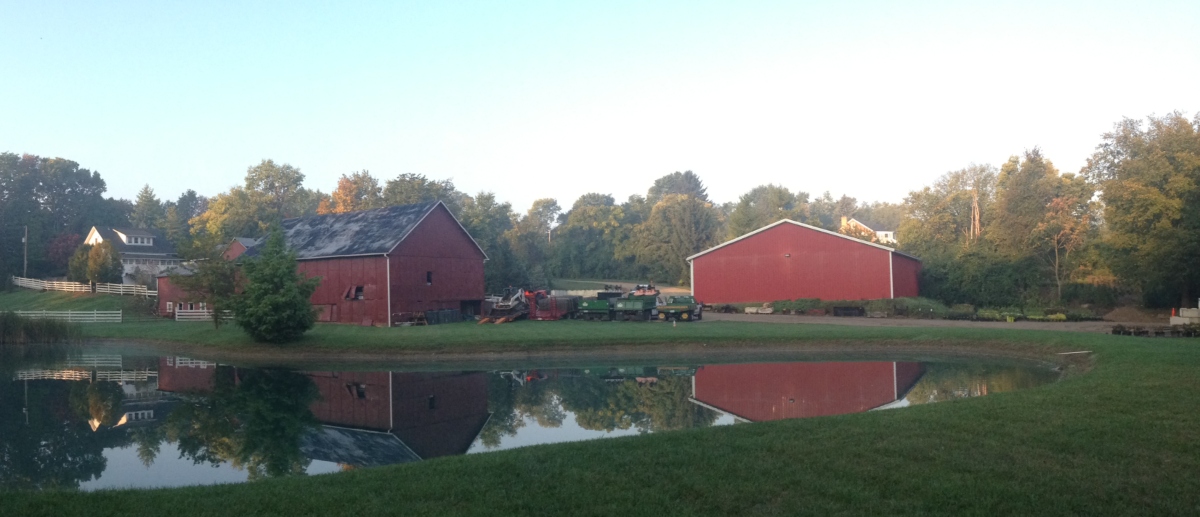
(274, 307)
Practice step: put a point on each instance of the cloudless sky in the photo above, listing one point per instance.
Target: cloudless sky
(556, 99)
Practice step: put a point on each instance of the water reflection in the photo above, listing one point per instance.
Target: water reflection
(159, 420)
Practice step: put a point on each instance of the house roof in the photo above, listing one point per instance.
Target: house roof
(789, 221)
(160, 247)
(367, 232)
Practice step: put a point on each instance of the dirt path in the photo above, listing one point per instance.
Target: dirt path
(1102, 327)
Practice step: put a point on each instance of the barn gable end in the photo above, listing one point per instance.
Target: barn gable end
(789, 260)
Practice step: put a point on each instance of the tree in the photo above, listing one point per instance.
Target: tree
(210, 279)
(950, 215)
(487, 221)
(104, 264)
(686, 183)
(59, 251)
(408, 189)
(77, 267)
(1023, 191)
(1062, 230)
(763, 205)
(530, 236)
(1149, 178)
(148, 211)
(277, 189)
(274, 307)
(358, 191)
(679, 226)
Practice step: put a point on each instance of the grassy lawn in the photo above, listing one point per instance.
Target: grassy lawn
(1123, 438)
(30, 300)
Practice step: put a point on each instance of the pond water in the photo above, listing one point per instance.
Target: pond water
(111, 420)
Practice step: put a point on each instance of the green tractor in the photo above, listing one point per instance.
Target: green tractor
(682, 308)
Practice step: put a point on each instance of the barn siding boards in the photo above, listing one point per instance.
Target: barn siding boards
(438, 245)
(774, 391)
(789, 260)
(339, 275)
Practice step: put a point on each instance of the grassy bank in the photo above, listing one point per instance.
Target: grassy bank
(30, 300)
(1123, 438)
(538, 335)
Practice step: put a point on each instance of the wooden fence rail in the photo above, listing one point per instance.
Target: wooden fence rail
(200, 315)
(76, 287)
(74, 316)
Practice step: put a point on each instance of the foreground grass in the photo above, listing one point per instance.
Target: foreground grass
(1123, 438)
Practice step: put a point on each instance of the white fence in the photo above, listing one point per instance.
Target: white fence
(199, 315)
(76, 287)
(74, 316)
(42, 285)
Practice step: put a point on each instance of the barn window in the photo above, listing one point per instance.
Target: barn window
(357, 390)
(354, 292)
(429, 278)
(432, 402)
(170, 307)
(358, 292)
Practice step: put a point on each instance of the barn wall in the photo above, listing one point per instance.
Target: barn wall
(757, 269)
(439, 413)
(340, 275)
(438, 246)
(340, 403)
(774, 391)
(906, 271)
(169, 292)
(235, 250)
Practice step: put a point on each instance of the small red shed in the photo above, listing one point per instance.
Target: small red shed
(788, 260)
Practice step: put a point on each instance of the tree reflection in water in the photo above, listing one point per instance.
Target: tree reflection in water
(948, 381)
(600, 402)
(255, 424)
(57, 448)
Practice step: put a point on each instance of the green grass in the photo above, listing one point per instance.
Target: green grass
(30, 300)
(1123, 438)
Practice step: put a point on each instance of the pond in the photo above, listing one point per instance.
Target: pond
(111, 420)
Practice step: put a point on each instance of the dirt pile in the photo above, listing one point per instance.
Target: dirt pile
(1136, 315)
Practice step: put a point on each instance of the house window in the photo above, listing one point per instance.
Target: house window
(429, 278)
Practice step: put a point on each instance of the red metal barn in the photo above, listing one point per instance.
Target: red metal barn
(789, 260)
(375, 265)
(774, 391)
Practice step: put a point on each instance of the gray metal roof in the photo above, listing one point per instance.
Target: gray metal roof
(367, 232)
(161, 245)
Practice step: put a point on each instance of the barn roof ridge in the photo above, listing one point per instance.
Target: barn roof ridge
(810, 227)
(377, 231)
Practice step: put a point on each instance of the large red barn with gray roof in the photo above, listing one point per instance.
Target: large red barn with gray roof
(382, 266)
(788, 260)
(377, 267)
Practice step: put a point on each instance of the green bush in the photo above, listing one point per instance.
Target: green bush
(274, 307)
(17, 330)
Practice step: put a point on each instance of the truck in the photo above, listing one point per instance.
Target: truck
(682, 308)
(636, 305)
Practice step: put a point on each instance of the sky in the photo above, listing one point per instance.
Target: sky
(557, 99)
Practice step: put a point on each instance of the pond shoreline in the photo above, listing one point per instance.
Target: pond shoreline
(480, 357)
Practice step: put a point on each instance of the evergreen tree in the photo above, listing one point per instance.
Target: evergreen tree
(148, 211)
(274, 307)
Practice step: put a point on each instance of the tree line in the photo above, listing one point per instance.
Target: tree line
(1020, 233)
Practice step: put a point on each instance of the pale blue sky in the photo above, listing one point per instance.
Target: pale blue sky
(555, 99)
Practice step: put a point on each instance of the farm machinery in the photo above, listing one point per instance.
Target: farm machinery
(535, 305)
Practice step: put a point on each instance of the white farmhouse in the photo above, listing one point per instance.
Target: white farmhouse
(144, 253)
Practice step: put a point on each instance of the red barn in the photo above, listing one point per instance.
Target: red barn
(378, 265)
(788, 260)
(774, 391)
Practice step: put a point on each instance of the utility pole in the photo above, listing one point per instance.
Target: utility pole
(25, 240)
